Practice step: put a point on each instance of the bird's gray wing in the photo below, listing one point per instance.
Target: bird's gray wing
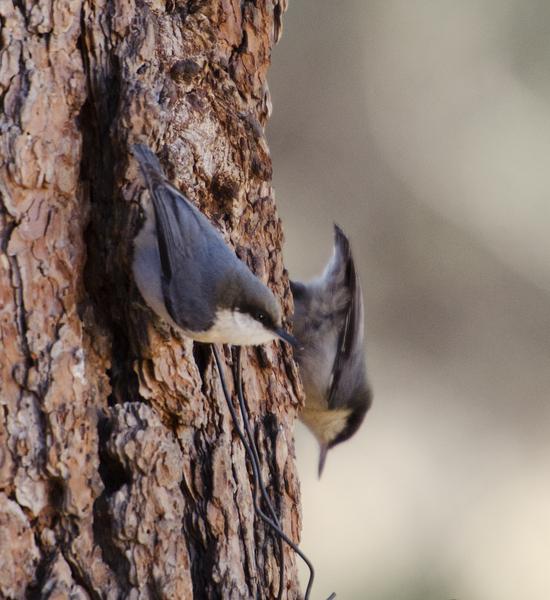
(178, 228)
(177, 221)
(349, 360)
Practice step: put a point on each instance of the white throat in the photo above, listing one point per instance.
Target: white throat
(327, 425)
(236, 328)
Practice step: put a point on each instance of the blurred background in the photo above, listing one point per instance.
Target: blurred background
(422, 127)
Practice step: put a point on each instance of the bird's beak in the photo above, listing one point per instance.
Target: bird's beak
(322, 458)
(288, 338)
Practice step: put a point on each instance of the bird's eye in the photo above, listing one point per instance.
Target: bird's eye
(261, 316)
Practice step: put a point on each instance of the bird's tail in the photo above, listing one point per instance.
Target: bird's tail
(147, 159)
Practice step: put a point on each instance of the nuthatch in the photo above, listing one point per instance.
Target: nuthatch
(191, 278)
(328, 321)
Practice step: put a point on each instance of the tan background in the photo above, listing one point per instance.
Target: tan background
(423, 129)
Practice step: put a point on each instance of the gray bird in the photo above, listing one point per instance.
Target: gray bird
(191, 278)
(328, 321)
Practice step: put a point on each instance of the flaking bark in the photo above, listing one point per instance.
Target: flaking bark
(120, 475)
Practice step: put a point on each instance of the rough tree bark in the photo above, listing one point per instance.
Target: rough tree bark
(120, 474)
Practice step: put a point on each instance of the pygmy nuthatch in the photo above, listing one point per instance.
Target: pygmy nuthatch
(328, 322)
(191, 278)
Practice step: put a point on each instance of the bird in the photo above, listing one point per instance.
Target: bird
(190, 277)
(328, 321)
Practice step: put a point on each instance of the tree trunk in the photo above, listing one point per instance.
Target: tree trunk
(120, 474)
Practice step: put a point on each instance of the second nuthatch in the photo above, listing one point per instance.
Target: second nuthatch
(191, 278)
(328, 321)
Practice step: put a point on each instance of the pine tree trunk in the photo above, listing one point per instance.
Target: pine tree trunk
(120, 473)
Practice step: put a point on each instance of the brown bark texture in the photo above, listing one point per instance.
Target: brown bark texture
(120, 472)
